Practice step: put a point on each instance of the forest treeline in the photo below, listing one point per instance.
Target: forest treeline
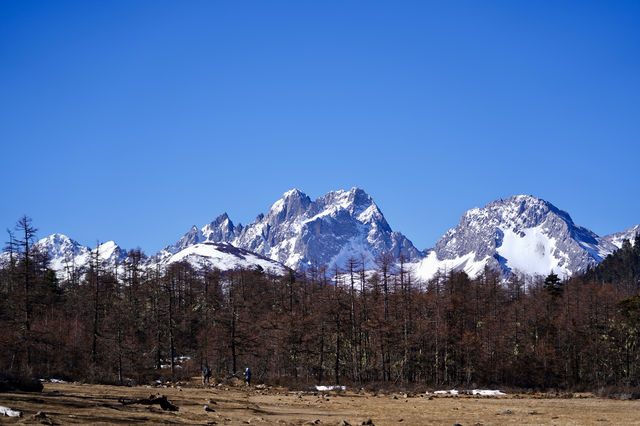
(343, 326)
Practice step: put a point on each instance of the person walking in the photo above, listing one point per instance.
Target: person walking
(247, 376)
(206, 374)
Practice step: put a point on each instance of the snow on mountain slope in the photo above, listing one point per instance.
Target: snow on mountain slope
(533, 251)
(223, 256)
(618, 238)
(431, 265)
(299, 232)
(521, 234)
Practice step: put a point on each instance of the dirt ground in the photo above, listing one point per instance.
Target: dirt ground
(64, 403)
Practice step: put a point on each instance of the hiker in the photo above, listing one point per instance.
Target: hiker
(206, 374)
(247, 376)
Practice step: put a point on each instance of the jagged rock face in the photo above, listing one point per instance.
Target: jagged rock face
(525, 234)
(618, 238)
(194, 236)
(221, 230)
(300, 232)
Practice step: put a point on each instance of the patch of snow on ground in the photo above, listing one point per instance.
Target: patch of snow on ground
(330, 388)
(486, 392)
(483, 392)
(6, 411)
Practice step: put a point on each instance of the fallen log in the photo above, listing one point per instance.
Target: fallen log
(152, 400)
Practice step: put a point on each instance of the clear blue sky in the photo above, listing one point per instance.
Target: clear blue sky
(133, 120)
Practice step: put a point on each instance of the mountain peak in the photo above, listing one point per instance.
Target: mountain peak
(521, 211)
(193, 236)
(221, 229)
(293, 203)
(521, 233)
(295, 192)
(616, 239)
(299, 232)
(525, 197)
(57, 236)
(55, 239)
(59, 245)
(355, 200)
(220, 220)
(359, 193)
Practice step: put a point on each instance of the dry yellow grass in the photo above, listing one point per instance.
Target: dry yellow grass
(98, 404)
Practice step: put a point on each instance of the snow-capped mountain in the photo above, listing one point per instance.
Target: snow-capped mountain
(617, 238)
(299, 232)
(69, 258)
(62, 250)
(221, 230)
(223, 256)
(521, 234)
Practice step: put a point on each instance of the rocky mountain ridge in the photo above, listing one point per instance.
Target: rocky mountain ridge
(300, 233)
(521, 234)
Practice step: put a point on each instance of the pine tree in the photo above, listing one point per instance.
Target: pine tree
(553, 284)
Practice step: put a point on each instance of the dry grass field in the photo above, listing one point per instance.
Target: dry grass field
(64, 403)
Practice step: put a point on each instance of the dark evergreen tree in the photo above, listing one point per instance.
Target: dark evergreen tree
(553, 284)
